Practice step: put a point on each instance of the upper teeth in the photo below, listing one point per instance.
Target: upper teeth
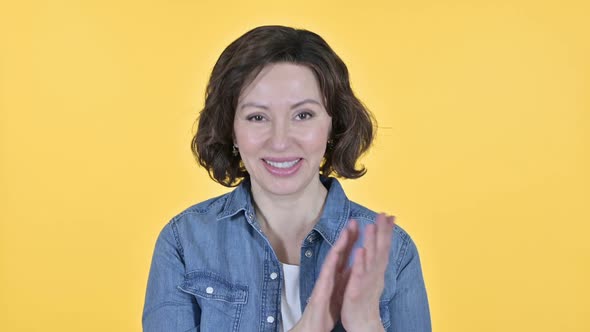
(283, 164)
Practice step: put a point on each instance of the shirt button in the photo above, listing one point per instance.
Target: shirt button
(270, 319)
(209, 290)
(308, 253)
(310, 239)
(273, 276)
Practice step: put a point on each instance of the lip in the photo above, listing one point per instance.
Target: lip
(282, 172)
(282, 159)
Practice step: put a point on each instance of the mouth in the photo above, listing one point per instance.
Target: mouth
(284, 167)
(283, 164)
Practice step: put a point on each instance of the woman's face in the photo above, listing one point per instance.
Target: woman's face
(281, 128)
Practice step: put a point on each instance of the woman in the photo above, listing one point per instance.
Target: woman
(286, 250)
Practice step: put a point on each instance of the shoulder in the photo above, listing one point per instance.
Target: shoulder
(191, 223)
(204, 212)
(210, 207)
(402, 243)
(365, 215)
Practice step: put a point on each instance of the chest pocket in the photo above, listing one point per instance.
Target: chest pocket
(220, 300)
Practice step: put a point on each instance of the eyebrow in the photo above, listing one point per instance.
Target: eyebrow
(292, 106)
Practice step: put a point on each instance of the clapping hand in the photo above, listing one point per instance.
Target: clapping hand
(351, 293)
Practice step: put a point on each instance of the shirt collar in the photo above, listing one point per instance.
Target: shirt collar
(238, 200)
(336, 211)
(334, 215)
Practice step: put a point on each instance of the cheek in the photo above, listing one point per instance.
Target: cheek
(248, 140)
(316, 139)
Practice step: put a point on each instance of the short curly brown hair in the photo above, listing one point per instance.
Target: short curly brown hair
(353, 125)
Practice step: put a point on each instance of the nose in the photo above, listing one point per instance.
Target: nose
(280, 135)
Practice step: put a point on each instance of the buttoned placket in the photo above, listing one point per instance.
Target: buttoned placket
(308, 268)
(271, 288)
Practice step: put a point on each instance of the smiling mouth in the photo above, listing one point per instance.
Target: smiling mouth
(282, 164)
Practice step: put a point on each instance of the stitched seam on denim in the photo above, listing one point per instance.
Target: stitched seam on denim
(358, 214)
(206, 298)
(386, 303)
(203, 274)
(387, 324)
(164, 304)
(230, 214)
(359, 210)
(344, 217)
(342, 221)
(316, 273)
(402, 255)
(226, 211)
(202, 210)
(229, 201)
(401, 232)
(324, 236)
(237, 318)
(264, 289)
(177, 238)
(227, 299)
(237, 293)
(369, 220)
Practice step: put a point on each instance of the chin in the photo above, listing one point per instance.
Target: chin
(285, 186)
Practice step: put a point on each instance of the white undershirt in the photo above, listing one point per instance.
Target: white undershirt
(290, 303)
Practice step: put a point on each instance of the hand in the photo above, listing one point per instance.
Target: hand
(360, 306)
(352, 293)
(325, 303)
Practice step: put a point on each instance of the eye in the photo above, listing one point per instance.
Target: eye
(255, 118)
(303, 116)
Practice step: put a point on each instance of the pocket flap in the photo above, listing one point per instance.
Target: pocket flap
(209, 285)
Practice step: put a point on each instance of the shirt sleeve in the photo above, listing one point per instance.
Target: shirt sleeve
(166, 307)
(409, 306)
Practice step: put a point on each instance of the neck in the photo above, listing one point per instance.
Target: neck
(289, 215)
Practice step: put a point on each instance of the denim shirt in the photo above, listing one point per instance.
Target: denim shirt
(214, 270)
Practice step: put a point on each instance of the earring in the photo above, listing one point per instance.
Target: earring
(234, 150)
(330, 144)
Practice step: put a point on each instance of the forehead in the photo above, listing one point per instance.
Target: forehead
(282, 83)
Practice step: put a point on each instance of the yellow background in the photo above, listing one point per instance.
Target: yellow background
(482, 150)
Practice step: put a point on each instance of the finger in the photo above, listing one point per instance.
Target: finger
(319, 309)
(384, 238)
(384, 232)
(370, 245)
(341, 243)
(322, 291)
(345, 277)
(353, 232)
(390, 225)
(354, 286)
(359, 267)
(340, 248)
